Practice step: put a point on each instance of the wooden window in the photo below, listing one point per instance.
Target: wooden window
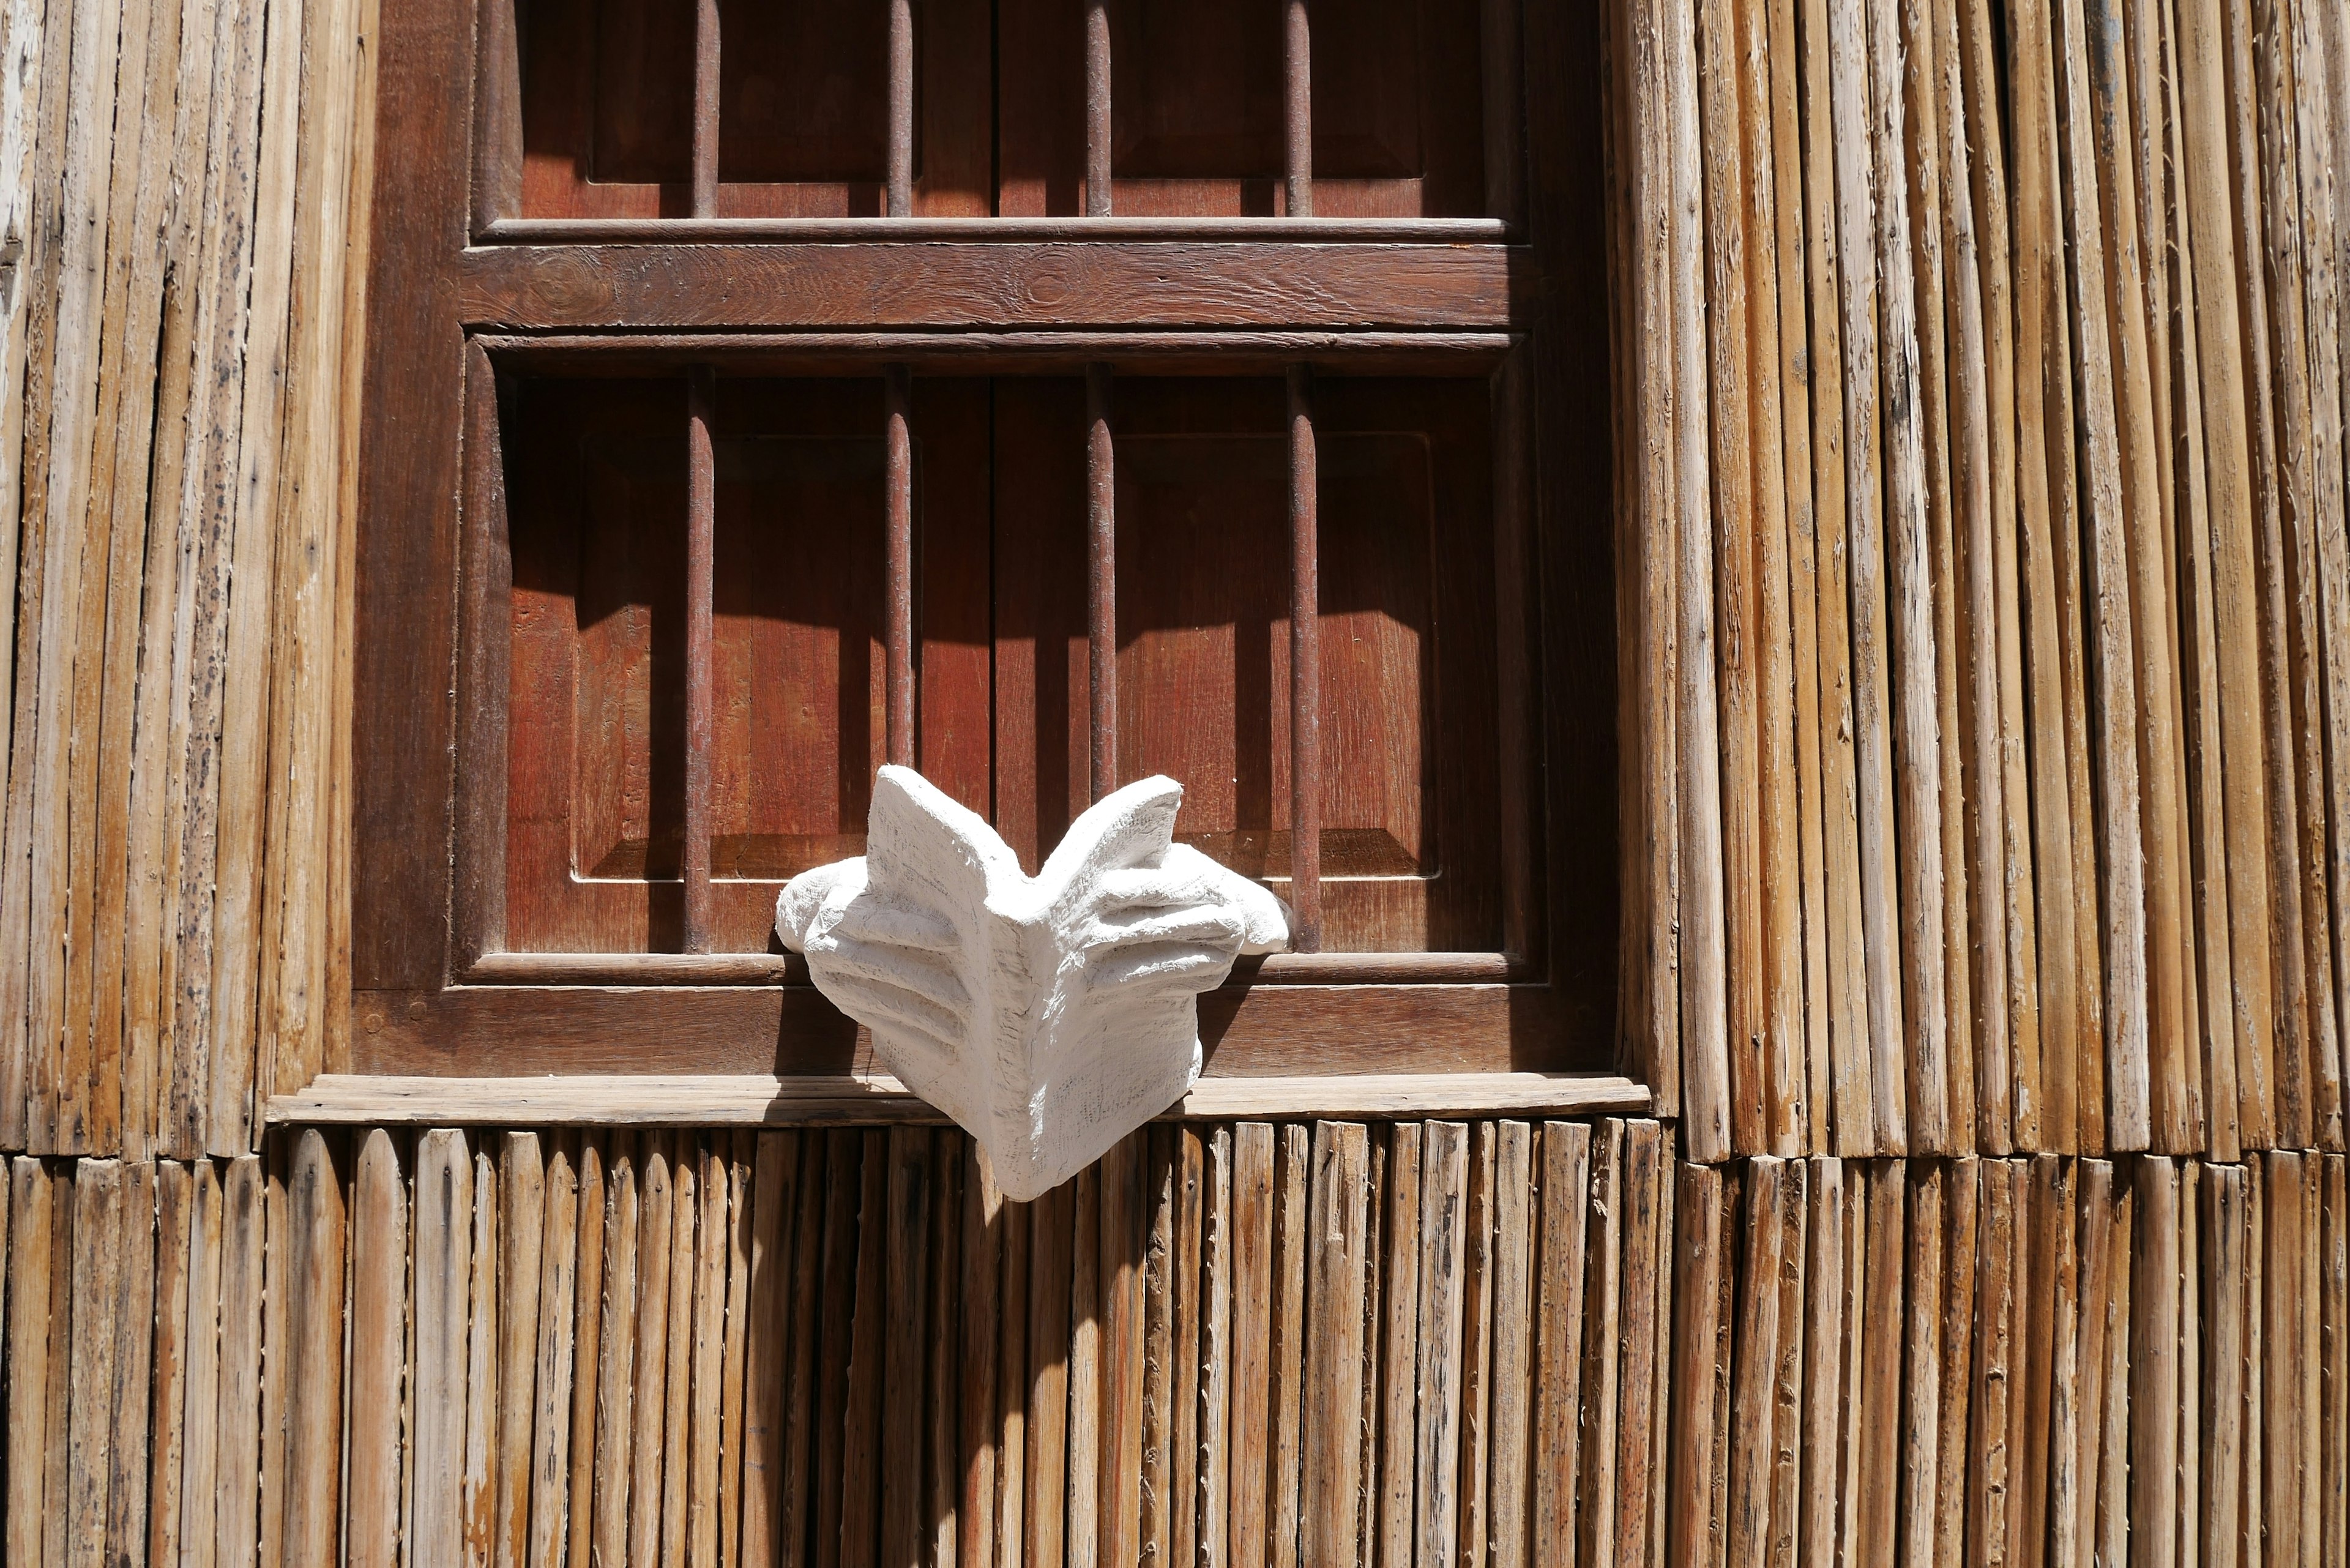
(1043, 394)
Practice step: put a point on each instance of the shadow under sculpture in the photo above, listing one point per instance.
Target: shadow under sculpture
(1049, 1016)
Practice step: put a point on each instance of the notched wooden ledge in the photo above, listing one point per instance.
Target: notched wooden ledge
(765, 1100)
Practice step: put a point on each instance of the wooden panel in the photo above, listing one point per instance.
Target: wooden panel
(961, 283)
(596, 778)
(1196, 105)
(1204, 639)
(802, 124)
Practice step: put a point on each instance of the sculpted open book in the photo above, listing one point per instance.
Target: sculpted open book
(1049, 1015)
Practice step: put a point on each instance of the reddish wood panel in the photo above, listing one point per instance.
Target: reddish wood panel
(803, 130)
(595, 775)
(1409, 773)
(1198, 110)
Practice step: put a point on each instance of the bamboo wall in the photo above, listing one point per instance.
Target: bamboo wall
(1980, 441)
(1251, 1344)
(1986, 820)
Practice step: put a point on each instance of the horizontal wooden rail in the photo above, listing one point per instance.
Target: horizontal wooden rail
(819, 231)
(789, 969)
(756, 1100)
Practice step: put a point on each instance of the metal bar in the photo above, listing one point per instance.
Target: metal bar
(1101, 578)
(1298, 82)
(705, 108)
(700, 549)
(899, 634)
(1096, 108)
(1304, 671)
(902, 109)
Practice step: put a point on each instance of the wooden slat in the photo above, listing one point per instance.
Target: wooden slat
(696, 1457)
(605, 1457)
(638, 1475)
(941, 1485)
(30, 1215)
(983, 1222)
(1643, 1382)
(2124, 1088)
(1189, 1487)
(1334, 1257)
(1561, 1222)
(1044, 1512)
(378, 1274)
(1822, 1331)
(1979, 738)
(2332, 1257)
(1156, 1466)
(1919, 130)
(1477, 1347)
(1788, 1385)
(242, 1301)
(1595, 1499)
(1121, 1233)
(1394, 1532)
(741, 1237)
(1877, 667)
(442, 1275)
(775, 1504)
(522, 1232)
(1284, 1450)
(1443, 1225)
(1843, 1008)
(1216, 1351)
(1701, 1342)
(553, 1365)
(668, 1498)
(1249, 1436)
(587, 1340)
(477, 1493)
(1082, 1486)
(1512, 1289)
(314, 1286)
(1012, 1388)
(2221, 336)
(129, 1402)
(774, 1206)
(848, 1466)
(1737, 590)
(907, 1231)
(1703, 1003)
(2322, 42)
(1754, 1370)
(97, 1273)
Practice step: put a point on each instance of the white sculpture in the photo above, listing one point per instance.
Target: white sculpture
(1048, 1016)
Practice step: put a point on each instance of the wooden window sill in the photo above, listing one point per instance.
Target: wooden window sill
(758, 1100)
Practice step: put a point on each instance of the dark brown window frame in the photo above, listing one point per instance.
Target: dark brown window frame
(459, 290)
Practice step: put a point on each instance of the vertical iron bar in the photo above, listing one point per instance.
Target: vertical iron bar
(1298, 82)
(902, 109)
(1304, 671)
(1101, 578)
(1096, 108)
(705, 108)
(900, 633)
(700, 532)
